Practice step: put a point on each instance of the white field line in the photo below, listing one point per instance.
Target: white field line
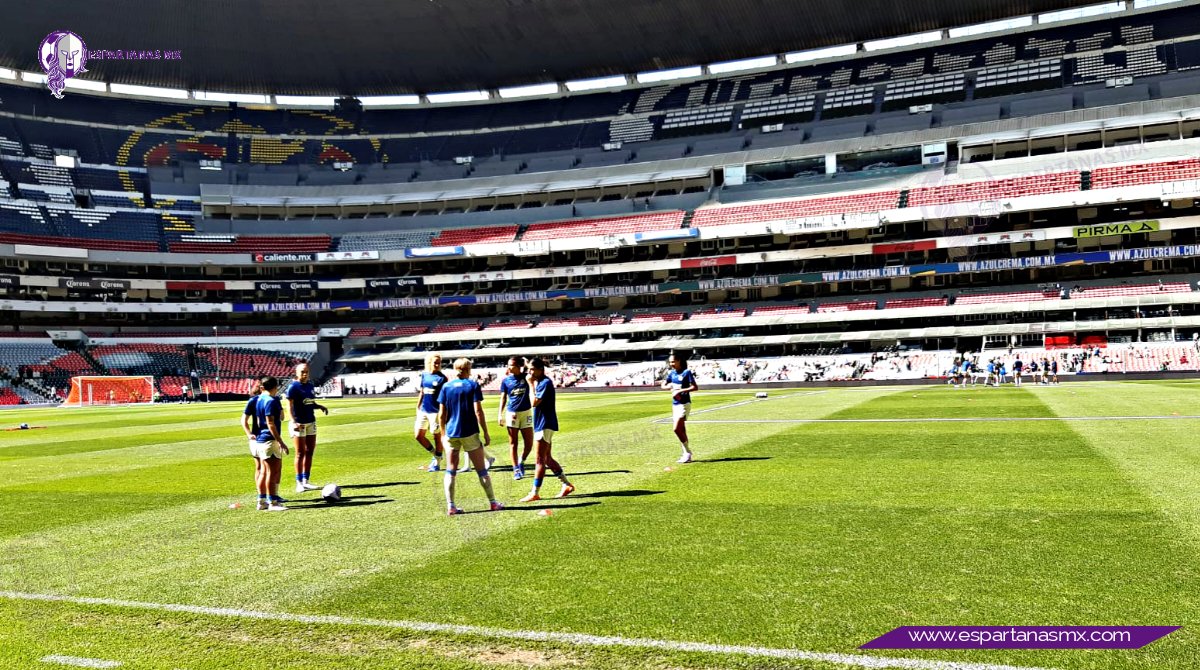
(968, 419)
(80, 662)
(576, 639)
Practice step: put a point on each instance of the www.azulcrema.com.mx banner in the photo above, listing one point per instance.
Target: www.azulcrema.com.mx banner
(1020, 637)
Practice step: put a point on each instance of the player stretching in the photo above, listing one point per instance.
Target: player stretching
(428, 387)
(515, 413)
(266, 446)
(545, 425)
(682, 383)
(302, 403)
(462, 418)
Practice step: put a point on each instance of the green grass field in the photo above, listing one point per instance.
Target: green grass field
(787, 535)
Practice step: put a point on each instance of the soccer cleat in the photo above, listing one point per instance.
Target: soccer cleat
(496, 507)
(309, 487)
(532, 497)
(519, 472)
(686, 458)
(490, 460)
(262, 506)
(453, 511)
(300, 487)
(567, 490)
(434, 466)
(465, 467)
(276, 507)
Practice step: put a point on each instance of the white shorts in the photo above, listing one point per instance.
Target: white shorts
(265, 450)
(546, 435)
(519, 420)
(303, 429)
(681, 411)
(427, 421)
(468, 443)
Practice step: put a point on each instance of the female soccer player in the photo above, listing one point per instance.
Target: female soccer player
(428, 388)
(462, 419)
(682, 383)
(545, 425)
(302, 403)
(515, 413)
(261, 426)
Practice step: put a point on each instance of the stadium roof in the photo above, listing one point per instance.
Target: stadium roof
(372, 47)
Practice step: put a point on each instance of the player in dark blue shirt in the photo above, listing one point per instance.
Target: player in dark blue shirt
(303, 406)
(428, 387)
(462, 419)
(681, 383)
(261, 422)
(545, 425)
(515, 414)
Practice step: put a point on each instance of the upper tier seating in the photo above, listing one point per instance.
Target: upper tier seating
(1012, 296)
(725, 215)
(659, 317)
(900, 303)
(455, 237)
(994, 189)
(1130, 290)
(780, 310)
(255, 244)
(605, 226)
(1145, 173)
(855, 306)
(455, 327)
(401, 331)
(718, 313)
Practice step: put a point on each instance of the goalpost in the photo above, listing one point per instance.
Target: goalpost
(99, 391)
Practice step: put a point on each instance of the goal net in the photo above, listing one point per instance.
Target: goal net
(92, 391)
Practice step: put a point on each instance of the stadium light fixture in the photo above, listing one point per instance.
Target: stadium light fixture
(149, 91)
(457, 96)
(818, 54)
(667, 75)
(33, 77)
(528, 91)
(249, 98)
(903, 41)
(389, 100)
(992, 26)
(1081, 12)
(744, 64)
(6, 73)
(596, 84)
(305, 100)
(86, 85)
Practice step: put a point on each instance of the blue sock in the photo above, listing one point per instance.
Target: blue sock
(262, 497)
(537, 482)
(276, 499)
(299, 477)
(306, 476)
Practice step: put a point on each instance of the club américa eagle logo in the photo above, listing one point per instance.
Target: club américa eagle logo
(62, 55)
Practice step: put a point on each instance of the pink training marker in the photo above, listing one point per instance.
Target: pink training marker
(235, 506)
(545, 512)
(668, 469)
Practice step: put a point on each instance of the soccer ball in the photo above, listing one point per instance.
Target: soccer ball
(331, 493)
(24, 426)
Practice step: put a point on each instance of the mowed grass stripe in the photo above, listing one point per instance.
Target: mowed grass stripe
(204, 539)
(823, 538)
(111, 462)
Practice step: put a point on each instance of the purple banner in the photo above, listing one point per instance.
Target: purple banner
(1020, 637)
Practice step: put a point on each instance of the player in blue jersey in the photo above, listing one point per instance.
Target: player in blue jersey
(682, 383)
(261, 423)
(1018, 368)
(302, 407)
(515, 413)
(545, 425)
(428, 387)
(462, 419)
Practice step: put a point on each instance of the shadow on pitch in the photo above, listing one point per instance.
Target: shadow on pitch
(731, 459)
(628, 493)
(598, 472)
(376, 486)
(347, 501)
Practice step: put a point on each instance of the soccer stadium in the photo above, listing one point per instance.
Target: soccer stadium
(707, 334)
